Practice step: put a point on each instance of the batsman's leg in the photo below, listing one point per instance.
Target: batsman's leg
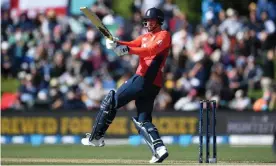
(104, 118)
(147, 130)
(127, 92)
(151, 136)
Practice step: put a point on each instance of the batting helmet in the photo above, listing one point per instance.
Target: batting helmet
(154, 13)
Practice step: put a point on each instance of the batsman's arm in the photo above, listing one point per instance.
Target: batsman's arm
(163, 42)
(134, 43)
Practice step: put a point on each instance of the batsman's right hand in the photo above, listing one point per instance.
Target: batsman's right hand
(111, 44)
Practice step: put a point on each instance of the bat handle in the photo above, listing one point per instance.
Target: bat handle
(115, 39)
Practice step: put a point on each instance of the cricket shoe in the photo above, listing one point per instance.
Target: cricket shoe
(161, 154)
(94, 142)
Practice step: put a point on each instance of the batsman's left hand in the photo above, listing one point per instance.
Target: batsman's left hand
(121, 50)
(111, 44)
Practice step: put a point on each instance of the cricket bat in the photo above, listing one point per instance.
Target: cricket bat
(97, 22)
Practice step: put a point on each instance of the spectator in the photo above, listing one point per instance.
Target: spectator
(210, 9)
(188, 103)
(97, 58)
(268, 6)
(183, 84)
(197, 76)
(55, 94)
(162, 101)
(133, 28)
(101, 8)
(240, 102)
(252, 73)
(169, 8)
(214, 87)
(136, 5)
(61, 61)
(178, 21)
(6, 23)
(255, 27)
(73, 100)
(59, 65)
(24, 23)
(96, 93)
(254, 24)
(27, 91)
(6, 60)
(267, 35)
(262, 104)
(182, 45)
(221, 17)
(268, 68)
(231, 25)
(234, 79)
(86, 59)
(18, 50)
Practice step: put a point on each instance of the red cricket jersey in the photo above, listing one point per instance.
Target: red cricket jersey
(152, 49)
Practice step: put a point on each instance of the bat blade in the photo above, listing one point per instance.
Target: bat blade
(97, 22)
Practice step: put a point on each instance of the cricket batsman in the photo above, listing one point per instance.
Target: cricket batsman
(143, 87)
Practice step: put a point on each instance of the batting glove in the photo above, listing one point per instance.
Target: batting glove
(111, 44)
(121, 50)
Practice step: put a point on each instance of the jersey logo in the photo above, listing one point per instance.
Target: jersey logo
(144, 45)
(159, 42)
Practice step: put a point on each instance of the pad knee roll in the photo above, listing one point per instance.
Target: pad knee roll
(105, 116)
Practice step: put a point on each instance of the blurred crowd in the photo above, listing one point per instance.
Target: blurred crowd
(62, 63)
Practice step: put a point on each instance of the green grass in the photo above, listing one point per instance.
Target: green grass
(77, 154)
(9, 84)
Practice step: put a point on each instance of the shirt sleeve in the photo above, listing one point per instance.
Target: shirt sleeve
(134, 43)
(162, 42)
